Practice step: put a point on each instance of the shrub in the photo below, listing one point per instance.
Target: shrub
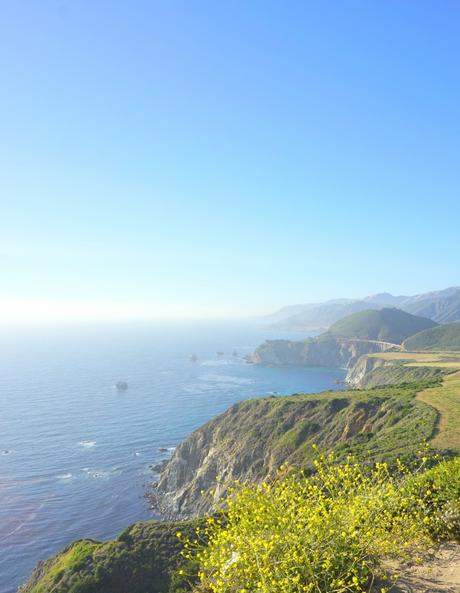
(325, 533)
(438, 490)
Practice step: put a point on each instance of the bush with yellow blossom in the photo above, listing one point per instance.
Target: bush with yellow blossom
(324, 533)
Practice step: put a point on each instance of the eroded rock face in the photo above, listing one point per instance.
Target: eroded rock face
(363, 367)
(253, 438)
(330, 352)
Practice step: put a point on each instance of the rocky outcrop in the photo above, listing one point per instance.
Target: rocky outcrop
(364, 366)
(253, 438)
(320, 351)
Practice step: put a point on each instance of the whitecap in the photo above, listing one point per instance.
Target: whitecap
(217, 363)
(7, 451)
(96, 474)
(101, 474)
(87, 444)
(195, 388)
(227, 380)
(65, 477)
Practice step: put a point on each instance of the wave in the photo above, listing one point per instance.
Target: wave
(218, 363)
(227, 379)
(87, 444)
(100, 474)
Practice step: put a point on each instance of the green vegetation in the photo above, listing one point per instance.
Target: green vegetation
(443, 337)
(326, 533)
(386, 325)
(397, 373)
(254, 437)
(145, 558)
(375, 424)
(445, 398)
(442, 396)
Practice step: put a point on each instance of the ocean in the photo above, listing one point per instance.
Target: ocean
(75, 453)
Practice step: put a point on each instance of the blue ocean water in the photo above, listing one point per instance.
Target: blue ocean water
(75, 454)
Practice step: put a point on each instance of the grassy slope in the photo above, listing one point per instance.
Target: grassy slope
(143, 559)
(387, 325)
(399, 373)
(444, 397)
(371, 424)
(444, 337)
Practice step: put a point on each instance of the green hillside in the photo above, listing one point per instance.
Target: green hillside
(145, 558)
(253, 438)
(387, 325)
(443, 337)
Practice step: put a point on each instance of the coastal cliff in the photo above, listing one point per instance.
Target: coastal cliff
(325, 351)
(253, 438)
(374, 371)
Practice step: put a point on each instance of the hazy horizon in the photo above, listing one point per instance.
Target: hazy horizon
(48, 311)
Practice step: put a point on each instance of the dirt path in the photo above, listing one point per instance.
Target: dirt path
(445, 398)
(438, 574)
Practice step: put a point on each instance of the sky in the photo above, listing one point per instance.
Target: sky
(202, 158)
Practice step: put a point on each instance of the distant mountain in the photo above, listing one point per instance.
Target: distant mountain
(287, 312)
(386, 325)
(322, 315)
(442, 306)
(295, 312)
(442, 337)
(386, 299)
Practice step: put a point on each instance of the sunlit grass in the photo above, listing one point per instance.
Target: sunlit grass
(445, 398)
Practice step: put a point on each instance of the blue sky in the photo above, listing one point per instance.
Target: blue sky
(215, 158)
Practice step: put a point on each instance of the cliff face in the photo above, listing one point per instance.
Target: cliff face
(372, 371)
(253, 438)
(321, 351)
(358, 374)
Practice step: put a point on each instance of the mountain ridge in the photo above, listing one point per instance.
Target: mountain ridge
(442, 306)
